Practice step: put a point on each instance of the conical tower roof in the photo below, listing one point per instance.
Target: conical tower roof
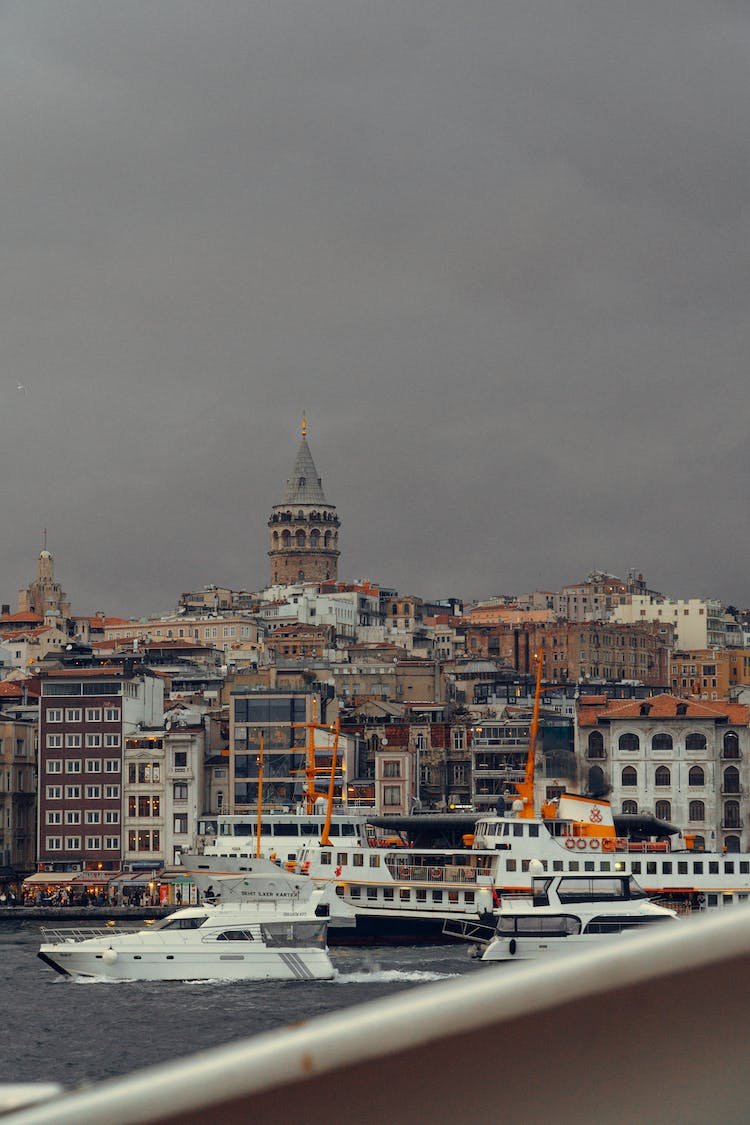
(304, 485)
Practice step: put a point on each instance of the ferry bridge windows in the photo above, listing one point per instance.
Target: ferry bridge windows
(596, 745)
(731, 780)
(629, 808)
(663, 810)
(663, 776)
(731, 745)
(695, 742)
(629, 777)
(696, 811)
(696, 776)
(629, 741)
(662, 741)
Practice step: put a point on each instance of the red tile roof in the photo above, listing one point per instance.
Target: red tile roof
(663, 707)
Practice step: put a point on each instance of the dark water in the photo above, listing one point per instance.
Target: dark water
(57, 1029)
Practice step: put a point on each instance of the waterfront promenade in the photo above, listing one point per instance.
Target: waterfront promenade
(47, 912)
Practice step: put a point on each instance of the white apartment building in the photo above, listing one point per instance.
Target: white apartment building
(698, 624)
(684, 761)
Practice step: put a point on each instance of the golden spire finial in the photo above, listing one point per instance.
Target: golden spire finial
(304, 424)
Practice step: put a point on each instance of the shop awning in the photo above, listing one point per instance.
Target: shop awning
(174, 875)
(48, 878)
(134, 878)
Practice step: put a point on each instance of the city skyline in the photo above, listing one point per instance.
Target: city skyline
(499, 256)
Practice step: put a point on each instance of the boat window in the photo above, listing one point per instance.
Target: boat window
(421, 894)
(650, 868)
(635, 866)
(388, 894)
(666, 868)
(510, 865)
(334, 830)
(309, 829)
(525, 864)
(574, 865)
(453, 897)
(713, 868)
(325, 858)
(277, 934)
(518, 830)
(744, 867)
(698, 868)
(355, 892)
(404, 894)
(582, 889)
(712, 900)
(550, 925)
(589, 865)
(437, 896)
(605, 865)
(372, 892)
(374, 861)
(341, 857)
(541, 892)
(286, 828)
(682, 867)
(469, 897)
(506, 829)
(358, 859)
(615, 924)
(234, 935)
(558, 865)
(533, 830)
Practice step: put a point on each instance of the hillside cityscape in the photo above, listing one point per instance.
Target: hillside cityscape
(118, 736)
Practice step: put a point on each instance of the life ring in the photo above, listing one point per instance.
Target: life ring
(435, 873)
(581, 845)
(593, 843)
(608, 844)
(570, 842)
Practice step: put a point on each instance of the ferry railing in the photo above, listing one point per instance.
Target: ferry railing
(416, 873)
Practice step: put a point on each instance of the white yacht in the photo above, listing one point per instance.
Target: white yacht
(274, 929)
(567, 914)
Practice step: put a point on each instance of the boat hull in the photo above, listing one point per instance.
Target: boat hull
(139, 964)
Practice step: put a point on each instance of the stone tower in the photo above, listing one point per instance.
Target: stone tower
(304, 527)
(45, 596)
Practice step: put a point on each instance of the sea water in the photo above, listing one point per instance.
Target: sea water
(58, 1029)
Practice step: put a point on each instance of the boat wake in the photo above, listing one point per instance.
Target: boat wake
(388, 976)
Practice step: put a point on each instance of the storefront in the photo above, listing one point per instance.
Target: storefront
(176, 888)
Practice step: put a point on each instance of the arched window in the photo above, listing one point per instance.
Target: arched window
(696, 776)
(662, 741)
(731, 814)
(327, 539)
(663, 810)
(596, 744)
(300, 515)
(629, 808)
(696, 811)
(629, 741)
(314, 537)
(275, 540)
(301, 537)
(596, 786)
(663, 776)
(286, 538)
(629, 776)
(731, 780)
(731, 747)
(695, 742)
(731, 843)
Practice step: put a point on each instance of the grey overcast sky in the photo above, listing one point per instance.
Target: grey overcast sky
(497, 251)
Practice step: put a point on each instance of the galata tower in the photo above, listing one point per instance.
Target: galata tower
(304, 527)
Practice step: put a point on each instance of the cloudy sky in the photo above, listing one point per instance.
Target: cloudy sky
(498, 252)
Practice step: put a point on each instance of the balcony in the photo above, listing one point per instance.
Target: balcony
(732, 790)
(733, 824)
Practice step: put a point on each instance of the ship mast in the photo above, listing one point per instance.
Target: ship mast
(525, 788)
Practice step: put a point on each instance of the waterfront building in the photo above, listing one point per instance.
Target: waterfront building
(17, 794)
(499, 753)
(86, 714)
(278, 715)
(684, 761)
(304, 527)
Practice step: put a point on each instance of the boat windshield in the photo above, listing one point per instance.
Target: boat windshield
(293, 933)
(178, 923)
(596, 888)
